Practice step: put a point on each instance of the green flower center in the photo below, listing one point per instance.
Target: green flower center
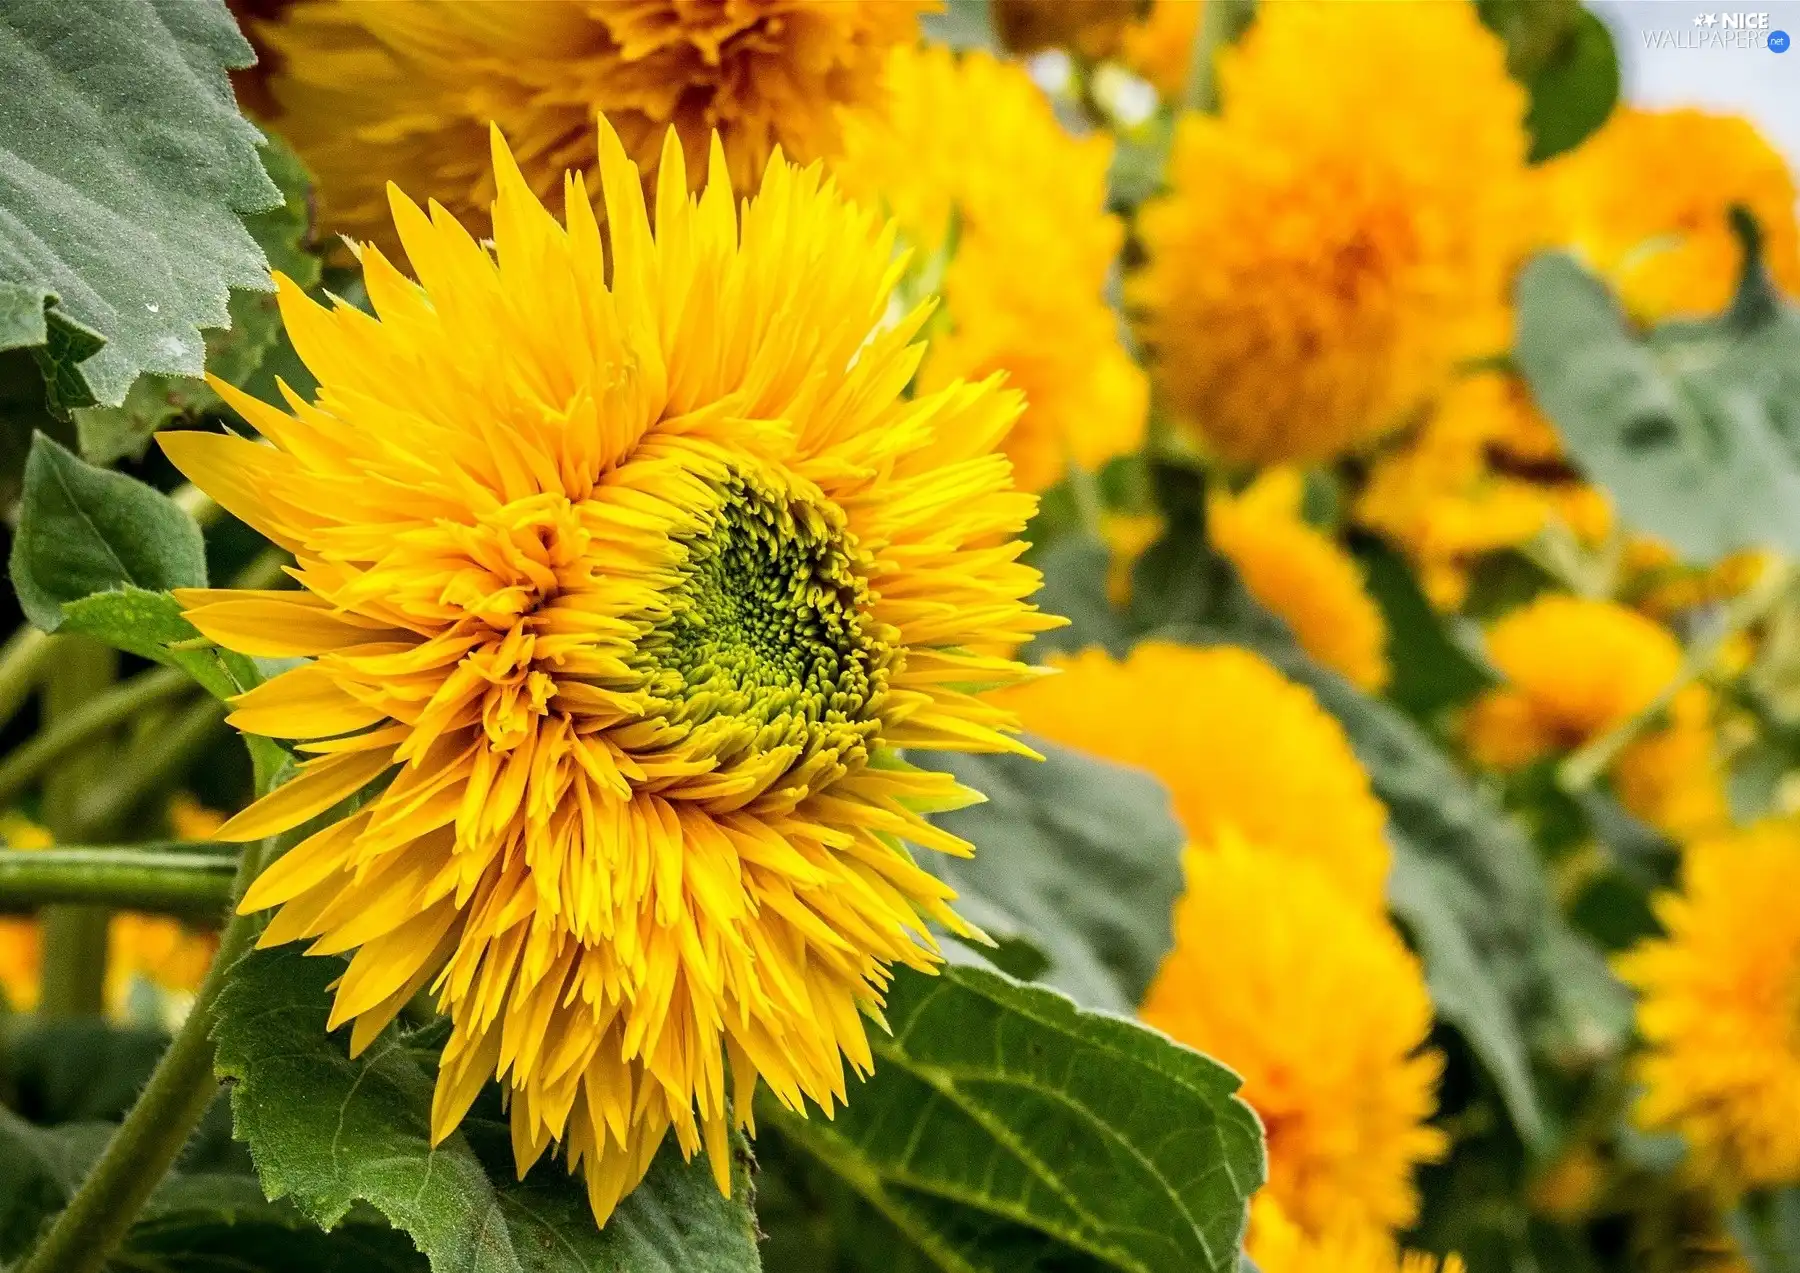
(768, 645)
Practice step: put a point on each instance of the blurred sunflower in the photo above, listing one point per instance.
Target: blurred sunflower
(1160, 45)
(1012, 209)
(1716, 1007)
(1577, 667)
(1238, 745)
(21, 940)
(1278, 1245)
(1318, 1004)
(1341, 234)
(1484, 472)
(629, 569)
(405, 90)
(1302, 575)
(1658, 230)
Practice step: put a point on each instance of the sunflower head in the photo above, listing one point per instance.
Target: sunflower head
(1011, 216)
(1304, 576)
(1717, 1007)
(1575, 667)
(1238, 745)
(1278, 1245)
(406, 89)
(626, 570)
(1317, 1003)
(1341, 233)
(1660, 232)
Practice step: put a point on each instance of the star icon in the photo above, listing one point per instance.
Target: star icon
(1710, 20)
(1699, 20)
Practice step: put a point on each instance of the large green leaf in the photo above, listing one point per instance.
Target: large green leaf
(194, 1219)
(125, 168)
(84, 530)
(1565, 58)
(234, 354)
(1076, 856)
(1006, 1130)
(151, 625)
(1693, 427)
(327, 1131)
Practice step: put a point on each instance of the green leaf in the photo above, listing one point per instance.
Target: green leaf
(75, 1069)
(192, 1220)
(962, 24)
(1564, 56)
(124, 170)
(151, 625)
(84, 530)
(1077, 856)
(234, 354)
(328, 1131)
(1694, 427)
(1436, 665)
(1003, 1124)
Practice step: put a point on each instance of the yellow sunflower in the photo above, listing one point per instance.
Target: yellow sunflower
(1577, 667)
(1278, 1245)
(1657, 229)
(1302, 575)
(1717, 1007)
(1160, 45)
(404, 90)
(1238, 745)
(1484, 472)
(1341, 234)
(988, 187)
(1318, 1004)
(628, 569)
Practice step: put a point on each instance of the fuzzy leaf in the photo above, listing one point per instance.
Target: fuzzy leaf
(84, 530)
(1076, 856)
(1006, 1130)
(125, 168)
(149, 624)
(1693, 427)
(327, 1131)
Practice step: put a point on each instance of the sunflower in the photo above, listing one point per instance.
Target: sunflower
(1160, 45)
(1012, 211)
(1577, 667)
(1716, 1008)
(1484, 472)
(1278, 1245)
(405, 90)
(1341, 234)
(1659, 231)
(1303, 576)
(1318, 1004)
(1238, 745)
(627, 568)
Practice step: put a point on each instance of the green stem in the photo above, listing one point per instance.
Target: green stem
(92, 718)
(1200, 93)
(144, 769)
(1089, 506)
(73, 977)
(21, 659)
(142, 1150)
(171, 877)
(1584, 767)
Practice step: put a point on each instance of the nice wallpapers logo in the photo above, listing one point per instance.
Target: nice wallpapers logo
(1720, 31)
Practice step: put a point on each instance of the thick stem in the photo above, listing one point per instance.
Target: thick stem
(67, 731)
(73, 979)
(173, 877)
(147, 1142)
(21, 659)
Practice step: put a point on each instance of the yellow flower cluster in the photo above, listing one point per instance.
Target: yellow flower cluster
(1576, 668)
(1278, 1245)
(1656, 228)
(1284, 965)
(405, 90)
(1341, 234)
(628, 564)
(1301, 575)
(1717, 1012)
(989, 188)
(1485, 471)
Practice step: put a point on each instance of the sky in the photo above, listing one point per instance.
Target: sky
(1751, 81)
